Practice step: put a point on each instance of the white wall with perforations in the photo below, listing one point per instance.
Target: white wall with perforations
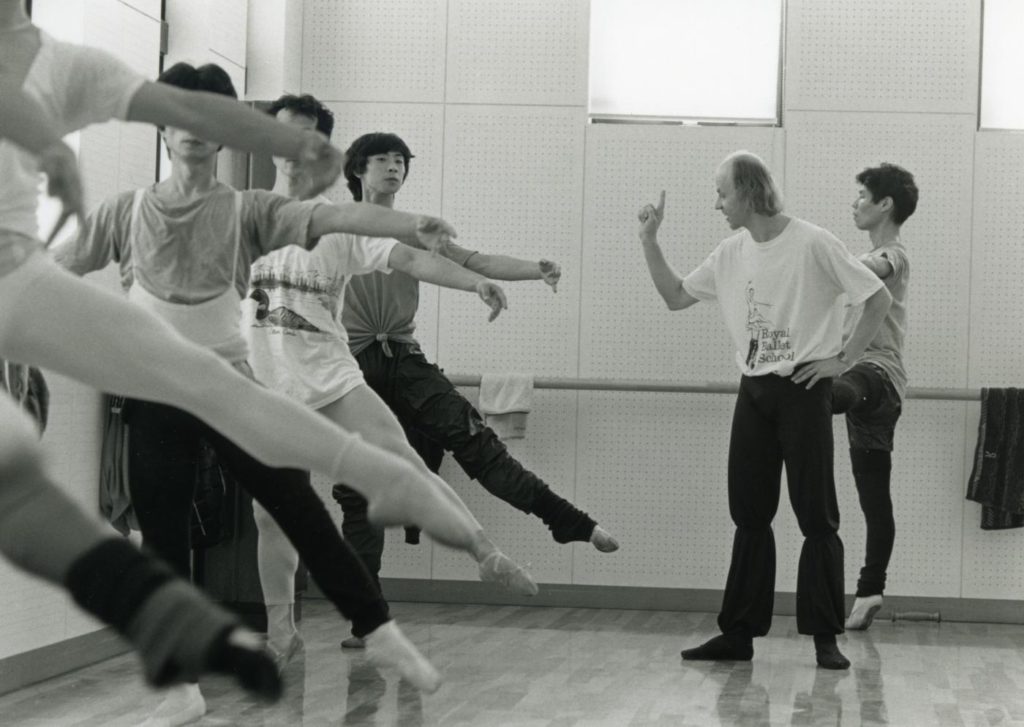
(493, 98)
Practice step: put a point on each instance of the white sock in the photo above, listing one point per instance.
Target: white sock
(183, 703)
(281, 625)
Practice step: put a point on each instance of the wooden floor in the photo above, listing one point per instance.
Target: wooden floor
(560, 667)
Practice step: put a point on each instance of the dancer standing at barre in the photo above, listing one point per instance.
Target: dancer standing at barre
(871, 392)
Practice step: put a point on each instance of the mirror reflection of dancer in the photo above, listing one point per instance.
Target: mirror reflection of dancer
(300, 348)
(184, 247)
(53, 320)
(379, 316)
(871, 392)
(782, 413)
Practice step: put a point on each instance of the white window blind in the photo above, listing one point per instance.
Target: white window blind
(715, 60)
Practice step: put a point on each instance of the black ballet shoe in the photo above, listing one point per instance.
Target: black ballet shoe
(828, 654)
(724, 647)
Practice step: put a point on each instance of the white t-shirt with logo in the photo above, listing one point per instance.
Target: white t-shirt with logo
(293, 316)
(782, 299)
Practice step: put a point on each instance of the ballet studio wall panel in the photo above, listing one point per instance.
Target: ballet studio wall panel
(524, 52)
(825, 152)
(513, 185)
(927, 494)
(208, 31)
(367, 50)
(626, 330)
(652, 468)
(997, 262)
(146, 7)
(227, 21)
(547, 451)
(422, 128)
(878, 55)
(114, 156)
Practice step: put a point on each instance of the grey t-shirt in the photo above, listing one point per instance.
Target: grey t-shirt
(186, 250)
(384, 306)
(886, 349)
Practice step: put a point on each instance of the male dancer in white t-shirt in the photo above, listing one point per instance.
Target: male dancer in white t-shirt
(795, 272)
(299, 347)
(871, 392)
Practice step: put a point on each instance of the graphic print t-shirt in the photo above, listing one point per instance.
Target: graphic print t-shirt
(780, 298)
(299, 345)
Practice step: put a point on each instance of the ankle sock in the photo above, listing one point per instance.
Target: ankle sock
(566, 522)
(827, 652)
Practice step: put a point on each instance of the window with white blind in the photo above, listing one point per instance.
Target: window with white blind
(701, 60)
(1002, 65)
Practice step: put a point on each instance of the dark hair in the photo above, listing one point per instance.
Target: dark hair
(894, 182)
(754, 182)
(306, 105)
(209, 77)
(363, 148)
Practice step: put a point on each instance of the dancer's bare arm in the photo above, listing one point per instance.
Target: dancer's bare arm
(668, 282)
(437, 270)
(23, 121)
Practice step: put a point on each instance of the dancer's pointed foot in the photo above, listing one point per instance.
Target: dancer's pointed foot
(497, 567)
(282, 654)
(387, 646)
(603, 540)
(724, 647)
(863, 612)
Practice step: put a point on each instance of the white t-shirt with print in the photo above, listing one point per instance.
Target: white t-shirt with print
(76, 86)
(293, 316)
(781, 298)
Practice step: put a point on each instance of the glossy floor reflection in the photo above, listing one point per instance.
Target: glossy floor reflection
(558, 667)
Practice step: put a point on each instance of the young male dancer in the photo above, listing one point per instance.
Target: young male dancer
(184, 247)
(871, 392)
(379, 315)
(299, 347)
(796, 272)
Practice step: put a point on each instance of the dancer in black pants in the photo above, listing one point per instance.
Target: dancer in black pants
(777, 281)
(379, 316)
(871, 393)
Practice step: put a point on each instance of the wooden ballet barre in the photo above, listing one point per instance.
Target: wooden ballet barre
(710, 387)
